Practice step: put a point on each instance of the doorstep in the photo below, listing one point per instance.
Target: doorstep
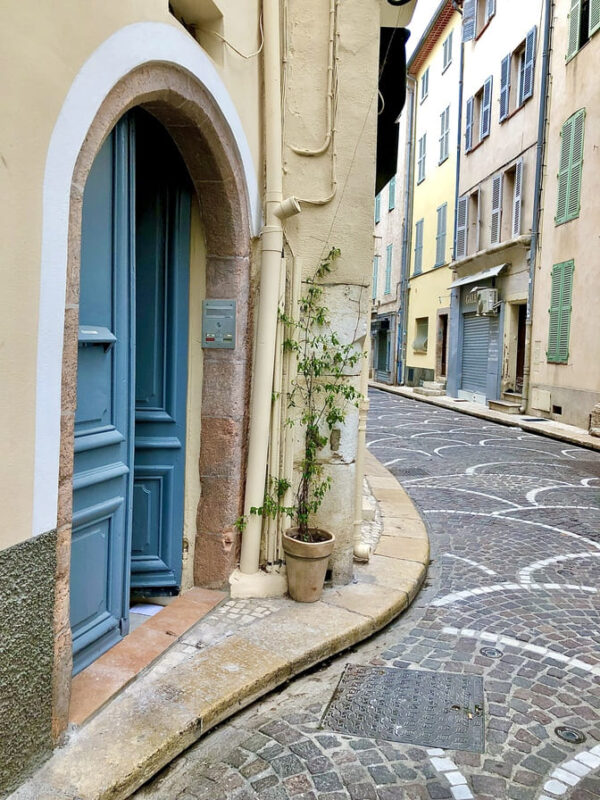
(544, 427)
(237, 652)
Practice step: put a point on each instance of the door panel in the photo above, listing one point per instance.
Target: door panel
(103, 454)
(162, 278)
(476, 340)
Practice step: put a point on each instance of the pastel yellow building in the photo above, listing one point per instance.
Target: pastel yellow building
(434, 69)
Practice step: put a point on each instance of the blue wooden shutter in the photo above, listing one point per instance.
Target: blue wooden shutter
(388, 269)
(575, 165)
(594, 20)
(468, 22)
(469, 125)
(496, 209)
(392, 194)
(460, 244)
(418, 247)
(486, 109)
(377, 208)
(504, 87)
(516, 220)
(574, 24)
(375, 275)
(529, 67)
(490, 9)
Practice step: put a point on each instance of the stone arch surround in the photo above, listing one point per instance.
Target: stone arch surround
(197, 125)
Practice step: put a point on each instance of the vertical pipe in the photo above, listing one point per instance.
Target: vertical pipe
(407, 233)
(271, 249)
(361, 551)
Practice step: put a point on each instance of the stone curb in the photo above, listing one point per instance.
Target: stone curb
(157, 717)
(549, 428)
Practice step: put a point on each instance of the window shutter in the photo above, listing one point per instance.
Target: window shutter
(516, 226)
(460, 244)
(486, 109)
(478, 223)
(440, 239)
(576, 164)
(469, 125)
(377, 207)
(574, 22)
(560, 312)
(421, 159)
(490, 9)
(375, 276)
(563, 170)
(468, 26)
(554, 311)
(504, 87)
(594, 16)
(418, 247)
(392, 194)
(496, 208)
(528, 73)
(388, 269)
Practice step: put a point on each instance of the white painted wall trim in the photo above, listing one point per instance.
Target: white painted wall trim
(128, 48)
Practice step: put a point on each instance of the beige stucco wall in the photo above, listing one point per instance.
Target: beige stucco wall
(429, 291)
(574, 386)
(43, 48)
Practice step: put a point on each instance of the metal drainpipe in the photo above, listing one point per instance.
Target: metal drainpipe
(406, 235)
(537, 198)
(458, 142)
(271, 264)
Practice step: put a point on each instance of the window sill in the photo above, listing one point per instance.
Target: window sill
(559, 363)
(420, 180)
(443, 160)
(557, 222)
(419, 351)
(448, 65)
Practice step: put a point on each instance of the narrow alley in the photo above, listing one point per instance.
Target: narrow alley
(512, 597)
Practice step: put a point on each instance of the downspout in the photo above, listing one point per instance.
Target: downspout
(458, 142)
(407, 232)
(271, 264)
(535, 222)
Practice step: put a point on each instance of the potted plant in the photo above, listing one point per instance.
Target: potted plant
(317, 406)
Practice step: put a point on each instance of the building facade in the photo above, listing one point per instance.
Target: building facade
(565, 362)
(148, 149)
(502, 73)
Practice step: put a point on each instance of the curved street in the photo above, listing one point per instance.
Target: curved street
(514, 524)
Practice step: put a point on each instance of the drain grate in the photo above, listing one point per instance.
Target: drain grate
(430, 709)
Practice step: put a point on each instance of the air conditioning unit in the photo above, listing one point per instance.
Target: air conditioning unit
(487, 302)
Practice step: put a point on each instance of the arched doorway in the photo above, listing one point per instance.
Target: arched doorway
(130, 421)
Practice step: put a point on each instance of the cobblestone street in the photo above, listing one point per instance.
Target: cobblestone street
(514, 524)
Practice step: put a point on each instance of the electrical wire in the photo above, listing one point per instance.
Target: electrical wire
(235, 50)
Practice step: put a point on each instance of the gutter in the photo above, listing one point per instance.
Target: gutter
(535, 222)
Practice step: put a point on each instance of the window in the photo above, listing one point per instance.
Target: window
(473, 222)
(485, 11)
(377, 208)
(388, 269)
(584, 20)
(496, 226)
(478, 115)
(513, 189)
(375, 276)
(517, 70)
(440, 238)
(476, 15)
(444, 134)
(447, 52)
(421, 334)
(460, 239)
(418, 247)
(421, 158)
(560, 312)
(392, 194)
(425, 84)
(570, 167)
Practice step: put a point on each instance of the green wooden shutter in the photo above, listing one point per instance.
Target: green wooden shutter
(377, 208)
(575, 165)
(566, 135)
(560, 312)
(388, 269)
(594, 21)
(574, 21)
(392, 194)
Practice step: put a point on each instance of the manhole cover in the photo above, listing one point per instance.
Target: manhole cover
(404, 705)
(571, 735)
(491, 652)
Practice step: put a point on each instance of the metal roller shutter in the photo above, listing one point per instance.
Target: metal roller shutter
(476, 339)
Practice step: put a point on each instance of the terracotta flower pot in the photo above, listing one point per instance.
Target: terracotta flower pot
(307, 563)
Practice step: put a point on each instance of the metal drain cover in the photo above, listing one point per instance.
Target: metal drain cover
(407, 705)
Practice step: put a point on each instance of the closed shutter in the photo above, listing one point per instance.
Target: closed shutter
(469, 125)
(392, 194)
(468, 22)
(460, 245)
(377, 208)
(529, 68)
(516, 220)
(560, 313)
(594, 16)
(496, 209)
(576, 164)
(490, 9)
(574, 23)
(440, 239)
(388, 269)
(375, 275)
(504, 87)
(486, 109)
(476, 340)
(563, 170)
(418, 247)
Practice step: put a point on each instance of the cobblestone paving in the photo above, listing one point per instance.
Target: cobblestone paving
(514, 521)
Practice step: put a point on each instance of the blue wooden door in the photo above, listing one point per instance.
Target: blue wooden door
(162, 278)
(128, 481)
(104, 419)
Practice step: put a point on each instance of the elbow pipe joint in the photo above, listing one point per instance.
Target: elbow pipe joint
(287, 208)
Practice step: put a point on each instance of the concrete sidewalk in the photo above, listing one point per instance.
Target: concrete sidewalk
(198, 683)
(547, 427)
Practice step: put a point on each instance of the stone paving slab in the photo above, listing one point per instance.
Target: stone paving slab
(239, 652)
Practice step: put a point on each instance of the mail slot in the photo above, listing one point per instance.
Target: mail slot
(218, 324)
